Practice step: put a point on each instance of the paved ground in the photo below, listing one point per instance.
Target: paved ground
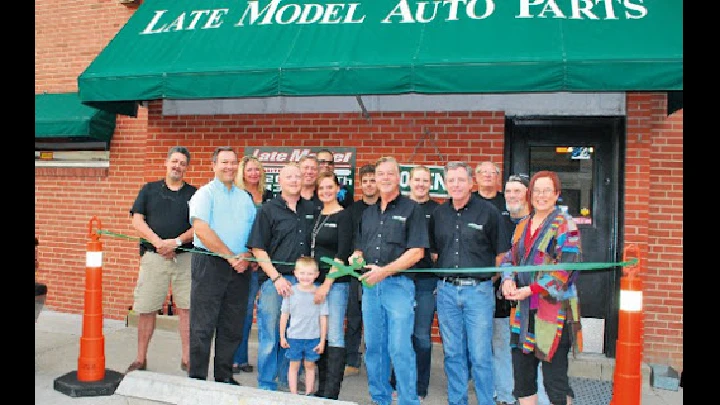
(57, 344)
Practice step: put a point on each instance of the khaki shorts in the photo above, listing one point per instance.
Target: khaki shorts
(156, 275)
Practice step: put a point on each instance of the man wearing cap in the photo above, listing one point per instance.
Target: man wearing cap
(516, 208)
(466, 233)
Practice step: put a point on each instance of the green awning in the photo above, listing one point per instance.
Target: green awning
(190, 49)
(62, 116)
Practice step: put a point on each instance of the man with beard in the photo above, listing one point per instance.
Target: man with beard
(160, 215)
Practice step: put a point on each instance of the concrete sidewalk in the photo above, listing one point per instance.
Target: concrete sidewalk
(57, 345)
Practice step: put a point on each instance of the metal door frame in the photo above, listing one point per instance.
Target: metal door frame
(616, 127)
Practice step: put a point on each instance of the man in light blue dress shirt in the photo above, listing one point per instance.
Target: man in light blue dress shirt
(222, 216)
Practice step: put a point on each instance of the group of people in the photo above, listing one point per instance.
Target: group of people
(506, 332)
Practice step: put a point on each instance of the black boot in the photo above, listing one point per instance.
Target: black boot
(336, 371)
(322, 369)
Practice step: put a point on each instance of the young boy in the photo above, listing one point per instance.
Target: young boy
(308, 324)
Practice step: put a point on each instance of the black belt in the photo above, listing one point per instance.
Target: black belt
(465, 281)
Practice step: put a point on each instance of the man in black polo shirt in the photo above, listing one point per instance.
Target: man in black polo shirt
(161, 215)
(281, 233)
(466, 232)
(391, 237)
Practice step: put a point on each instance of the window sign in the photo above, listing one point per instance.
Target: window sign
(437, 182)
(273, 159)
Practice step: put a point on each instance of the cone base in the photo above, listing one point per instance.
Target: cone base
(69, 385)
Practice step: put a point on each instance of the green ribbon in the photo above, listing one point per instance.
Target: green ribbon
(204, 252)
(351, 269)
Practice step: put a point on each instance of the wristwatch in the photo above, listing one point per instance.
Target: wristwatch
(178, 242)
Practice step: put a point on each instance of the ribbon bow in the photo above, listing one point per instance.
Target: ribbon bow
(343, 270)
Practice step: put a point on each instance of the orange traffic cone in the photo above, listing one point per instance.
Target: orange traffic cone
(91, 377)
(627, 378)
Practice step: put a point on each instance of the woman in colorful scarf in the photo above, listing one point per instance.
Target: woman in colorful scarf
(546, 323)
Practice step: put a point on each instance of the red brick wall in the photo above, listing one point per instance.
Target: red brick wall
(66, 199)
(654, 178)
(68, 35)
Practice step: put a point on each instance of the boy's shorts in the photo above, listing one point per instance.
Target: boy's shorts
(302, 349)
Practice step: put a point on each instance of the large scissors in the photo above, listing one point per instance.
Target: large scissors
(343, 270)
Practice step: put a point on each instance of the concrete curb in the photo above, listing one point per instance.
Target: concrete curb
(585, 365)
(187, 391)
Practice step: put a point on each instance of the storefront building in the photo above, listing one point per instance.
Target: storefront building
(535, 86)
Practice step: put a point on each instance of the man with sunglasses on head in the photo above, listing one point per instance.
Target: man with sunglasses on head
(326, 162)
(517, 208)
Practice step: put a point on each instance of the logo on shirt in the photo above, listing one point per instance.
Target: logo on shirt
(475, 226)
(311, 217)
(330, 225)
(399, 218)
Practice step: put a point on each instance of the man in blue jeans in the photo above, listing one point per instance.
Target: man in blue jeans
(466, 232)
(280, 233)
(391, 237)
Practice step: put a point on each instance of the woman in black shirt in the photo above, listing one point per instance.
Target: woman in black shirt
(332, 237)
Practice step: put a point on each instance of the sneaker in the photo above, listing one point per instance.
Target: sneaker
(351, 371)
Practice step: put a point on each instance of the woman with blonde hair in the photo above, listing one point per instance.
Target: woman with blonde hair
(251, 178)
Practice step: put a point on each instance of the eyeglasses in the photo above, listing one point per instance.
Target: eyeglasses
(545, 191)
(486, 173)
(325, 162)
